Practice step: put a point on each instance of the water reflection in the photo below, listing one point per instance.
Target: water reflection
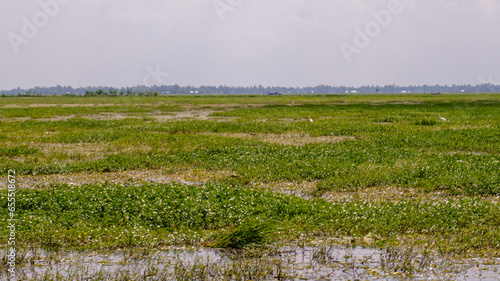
(323, 262)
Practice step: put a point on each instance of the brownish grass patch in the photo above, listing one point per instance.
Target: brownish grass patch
(375, 194)
(191, 177)
(286, 139)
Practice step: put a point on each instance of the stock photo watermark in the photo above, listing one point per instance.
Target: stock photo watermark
(157, 75)
(488, 80)
(32, 25)
(372, 29)
(225, 6)
(11, 223)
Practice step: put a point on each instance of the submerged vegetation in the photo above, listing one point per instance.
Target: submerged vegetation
(443, 150)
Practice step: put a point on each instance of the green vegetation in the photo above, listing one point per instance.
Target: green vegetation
(356, 143)
(249, 233)
(128, 215)
(17, 151)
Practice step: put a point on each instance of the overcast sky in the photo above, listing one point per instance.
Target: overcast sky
(248, 42)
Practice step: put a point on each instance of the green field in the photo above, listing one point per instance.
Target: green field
(91, 171)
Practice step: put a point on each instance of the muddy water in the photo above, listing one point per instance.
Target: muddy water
(296, 263)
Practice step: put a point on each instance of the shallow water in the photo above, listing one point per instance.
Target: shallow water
(297, 263)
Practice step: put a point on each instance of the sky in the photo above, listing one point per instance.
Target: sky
(291, 43)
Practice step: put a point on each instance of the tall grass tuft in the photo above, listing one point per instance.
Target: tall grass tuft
(253, 232)
(425, 122)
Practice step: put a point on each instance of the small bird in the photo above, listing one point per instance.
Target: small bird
(442, 118)
(310, 119)
(293, 102)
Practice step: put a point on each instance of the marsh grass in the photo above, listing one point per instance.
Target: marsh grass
(205, 269)
(411, 261)
(410, 149)
(17, 151)
(426, 122)
(133, 215)
(320, 262)
(322, 254)
(387, 141)
(248, 233)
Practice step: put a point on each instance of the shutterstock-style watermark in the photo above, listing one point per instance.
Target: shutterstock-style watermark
(371, 30)
(11, 223)
(157, 75)
(225, 6)
(32, 25)
(488, 80)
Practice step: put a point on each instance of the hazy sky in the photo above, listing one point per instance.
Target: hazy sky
(248, 42)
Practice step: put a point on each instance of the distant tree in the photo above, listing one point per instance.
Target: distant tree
(223, 89)
(175, 89)
(100, 92)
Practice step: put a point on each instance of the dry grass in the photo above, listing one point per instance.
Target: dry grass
(43, 105)
(74, 151)
(134, 177)
(301, 189)
(189, 114)
(375, 194)
(396, 194)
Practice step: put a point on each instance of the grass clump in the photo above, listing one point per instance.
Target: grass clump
(253, 232)
(425, 122)
(17, 151)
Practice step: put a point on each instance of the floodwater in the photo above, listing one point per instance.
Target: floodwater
(324, 262)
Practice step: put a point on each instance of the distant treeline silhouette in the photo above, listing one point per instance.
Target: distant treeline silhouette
(176, 89)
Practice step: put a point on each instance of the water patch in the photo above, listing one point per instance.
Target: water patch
(321, 262)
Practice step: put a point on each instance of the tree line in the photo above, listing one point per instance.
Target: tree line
(223, 89)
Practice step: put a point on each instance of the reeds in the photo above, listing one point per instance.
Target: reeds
(253, 232)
